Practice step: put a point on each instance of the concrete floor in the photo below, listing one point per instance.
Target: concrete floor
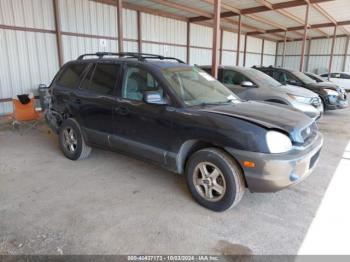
(113, 204)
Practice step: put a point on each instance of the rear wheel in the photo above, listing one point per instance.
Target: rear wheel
(72, 141)
(214, 179)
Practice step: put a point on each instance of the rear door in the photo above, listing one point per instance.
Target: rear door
(67, 82)
(344, 81)
(96, 98)
(335, 78)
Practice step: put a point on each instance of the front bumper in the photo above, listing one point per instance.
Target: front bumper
(333, 102)
(273, 172)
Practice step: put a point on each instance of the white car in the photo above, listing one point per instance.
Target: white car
(342, 79)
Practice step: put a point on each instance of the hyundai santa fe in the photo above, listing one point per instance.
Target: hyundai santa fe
(175, 115)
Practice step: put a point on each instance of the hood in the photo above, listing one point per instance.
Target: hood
(322, 85)
(296, 90)
(270, 116)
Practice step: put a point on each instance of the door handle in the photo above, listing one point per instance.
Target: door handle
(78, 101)
(122, 110)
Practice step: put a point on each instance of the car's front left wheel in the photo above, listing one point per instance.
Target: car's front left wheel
(72, 141)
(214, 179)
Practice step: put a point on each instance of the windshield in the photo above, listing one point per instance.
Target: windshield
(304, 78)
(315, 77)
(260, 78)
(196, 87)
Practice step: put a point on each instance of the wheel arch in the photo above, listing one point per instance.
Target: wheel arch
(191, 146)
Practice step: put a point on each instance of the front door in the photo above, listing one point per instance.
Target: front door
(140, 128)
(233, 79)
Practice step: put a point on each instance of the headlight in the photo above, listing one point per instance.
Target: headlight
(278, 142)
(301, 99)
(341, 90)
(331, 92)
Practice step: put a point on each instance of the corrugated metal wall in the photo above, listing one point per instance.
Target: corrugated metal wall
(26, 58)
(201, 41)
(164, 36)
(130, 30)
(254, 49)
(87, 18)
(318, 60)
(269, 53)
(30, 58)
(229, 46)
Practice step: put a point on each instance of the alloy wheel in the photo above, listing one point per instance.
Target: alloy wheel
(70, 139)
(209, 181)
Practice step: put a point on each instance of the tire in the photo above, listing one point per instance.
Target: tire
(72, 141)
(228, 178)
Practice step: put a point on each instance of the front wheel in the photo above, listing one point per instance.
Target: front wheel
(214, 179)
(72, 141)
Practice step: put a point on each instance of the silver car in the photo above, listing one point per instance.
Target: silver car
(251, 84)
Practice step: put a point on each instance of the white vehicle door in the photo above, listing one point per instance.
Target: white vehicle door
(344, 81)
(335, 78)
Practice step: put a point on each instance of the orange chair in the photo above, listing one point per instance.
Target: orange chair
(24, 112)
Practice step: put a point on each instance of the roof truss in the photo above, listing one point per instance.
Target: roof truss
(229, 11)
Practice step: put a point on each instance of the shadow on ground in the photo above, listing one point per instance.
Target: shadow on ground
(113, 204)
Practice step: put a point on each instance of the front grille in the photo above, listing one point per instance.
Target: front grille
(309, 131)
(314, 159)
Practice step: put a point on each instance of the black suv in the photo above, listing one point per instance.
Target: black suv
(177, 116)
(332, 97)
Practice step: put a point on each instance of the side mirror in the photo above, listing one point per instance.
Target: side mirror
(247, 84)
(292, 82)
(154, 97)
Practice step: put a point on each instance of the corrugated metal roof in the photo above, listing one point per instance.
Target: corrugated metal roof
(338, 9)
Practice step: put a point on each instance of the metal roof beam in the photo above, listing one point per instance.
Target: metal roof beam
(200, 12)
(254, 17)
(184, 8)
(328, 16)
(297, 28)
(288, 14)
(262, 8)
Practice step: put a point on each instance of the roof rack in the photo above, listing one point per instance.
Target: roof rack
(138, 56)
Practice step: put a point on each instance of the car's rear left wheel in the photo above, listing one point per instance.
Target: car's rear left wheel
(214, 179)
(72, 141)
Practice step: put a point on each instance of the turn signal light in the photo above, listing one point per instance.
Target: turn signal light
(249, 164)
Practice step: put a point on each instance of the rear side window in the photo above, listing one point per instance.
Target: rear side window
(233, 78)
(208, 70)
(102, 79)
(344, 76)
(268, 72)
(280, 77)
(335, 75)
(71, 75)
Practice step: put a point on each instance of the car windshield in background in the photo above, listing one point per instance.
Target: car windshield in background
(304, 78)
(315, 77)
(196, 87)
(260, 78)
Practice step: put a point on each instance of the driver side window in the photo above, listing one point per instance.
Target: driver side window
(233, 78)
(280, 77)
(136, 82)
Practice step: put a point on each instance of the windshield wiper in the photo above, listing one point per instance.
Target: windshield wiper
(216, 103)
